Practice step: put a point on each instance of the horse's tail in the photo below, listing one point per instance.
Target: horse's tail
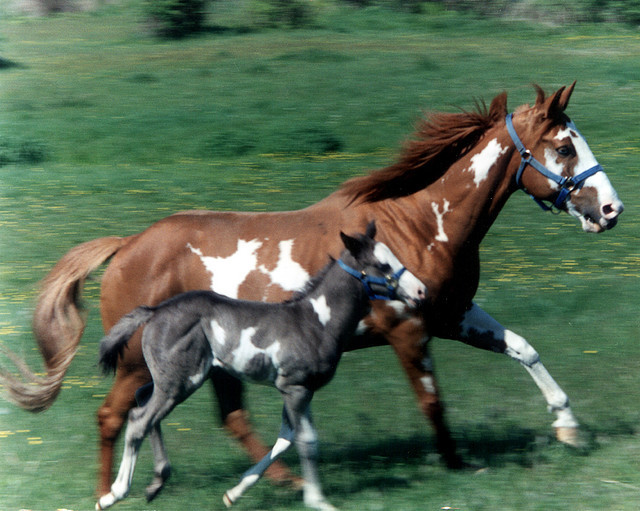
(112, 345)
(58, 324)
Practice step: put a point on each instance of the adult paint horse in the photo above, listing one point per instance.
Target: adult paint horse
(294, 346)
(432, 208)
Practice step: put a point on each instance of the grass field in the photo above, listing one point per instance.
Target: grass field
(104, 130)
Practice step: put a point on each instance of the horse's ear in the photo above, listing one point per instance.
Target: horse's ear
(558, 103)
(498, 108)
(353, 245)
(563, 101)
(371, 229)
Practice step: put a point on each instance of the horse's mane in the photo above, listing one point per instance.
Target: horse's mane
(439, 141)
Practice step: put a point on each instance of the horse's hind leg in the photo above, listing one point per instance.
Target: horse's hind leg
(162, 467)
(253, 475)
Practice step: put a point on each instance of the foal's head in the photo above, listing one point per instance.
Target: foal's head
(574, 181)
(381, 273)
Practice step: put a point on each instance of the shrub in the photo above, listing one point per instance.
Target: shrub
(176, 18)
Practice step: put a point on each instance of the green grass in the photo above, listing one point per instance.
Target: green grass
(131, 129)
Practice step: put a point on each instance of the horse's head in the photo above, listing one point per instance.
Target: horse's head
(556, 164)
(381, 273)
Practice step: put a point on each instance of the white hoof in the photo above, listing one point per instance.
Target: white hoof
(227, 500)
(569, 436)
(106, 501)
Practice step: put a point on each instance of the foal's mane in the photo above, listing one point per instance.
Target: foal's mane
(439, 141)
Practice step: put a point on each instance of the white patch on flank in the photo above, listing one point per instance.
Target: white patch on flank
(246, 350)
(228, 273)
(482, 162)
(321, 309)
(288, 274)
(219, 333)
(441, 236)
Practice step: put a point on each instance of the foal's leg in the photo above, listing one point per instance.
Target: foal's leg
(236, 421)
(161, 466)
(141, 421)
(297, 401)
(253, 475)
(479, 329)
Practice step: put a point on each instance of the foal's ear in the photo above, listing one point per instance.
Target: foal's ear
(371, 229)
(353, 245)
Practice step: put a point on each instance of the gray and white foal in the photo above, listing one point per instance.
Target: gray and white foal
(295, 346)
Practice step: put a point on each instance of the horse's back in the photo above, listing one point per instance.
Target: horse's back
(254, 256)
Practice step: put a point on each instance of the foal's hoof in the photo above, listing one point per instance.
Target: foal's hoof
(569, 436)
(158, 483)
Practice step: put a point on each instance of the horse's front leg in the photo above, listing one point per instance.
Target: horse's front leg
(411, 345)
(479, 329)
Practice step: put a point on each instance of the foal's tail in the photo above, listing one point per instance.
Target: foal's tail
(58, 324)
(113, 344)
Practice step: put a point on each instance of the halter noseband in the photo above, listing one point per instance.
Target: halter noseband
(377, 288)
(567, 184)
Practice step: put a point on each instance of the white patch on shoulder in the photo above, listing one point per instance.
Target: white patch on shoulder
(321, 309)
(441, 236)
(482, 162)
(228, 273)
(288, 274)
(246, 350)
(219, 333)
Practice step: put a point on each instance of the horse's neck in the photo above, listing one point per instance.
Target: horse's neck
(460, 207)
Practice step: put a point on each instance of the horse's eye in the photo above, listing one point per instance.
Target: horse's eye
(565, 150)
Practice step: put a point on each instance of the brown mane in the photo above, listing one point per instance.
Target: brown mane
(438, 142)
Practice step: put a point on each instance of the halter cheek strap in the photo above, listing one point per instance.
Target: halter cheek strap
(566, 184)
(377, 288)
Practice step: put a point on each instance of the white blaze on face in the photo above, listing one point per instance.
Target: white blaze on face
(322, 309)
(288, 274)
(586, 160)
(482, 162)
(408, 283)
(441, 236)
(228, 273)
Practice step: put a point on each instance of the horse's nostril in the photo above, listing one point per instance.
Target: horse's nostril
(607, 209)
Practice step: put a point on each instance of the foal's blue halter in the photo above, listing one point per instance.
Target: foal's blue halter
(567, 184)
(377, 288)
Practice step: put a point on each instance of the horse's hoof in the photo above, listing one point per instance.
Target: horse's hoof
(105, 501)
(569, 436)
(227, 501)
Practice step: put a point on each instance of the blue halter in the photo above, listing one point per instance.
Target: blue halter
(377, 288)
(567, 184)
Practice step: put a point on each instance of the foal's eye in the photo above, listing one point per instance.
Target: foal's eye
(565, 150)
